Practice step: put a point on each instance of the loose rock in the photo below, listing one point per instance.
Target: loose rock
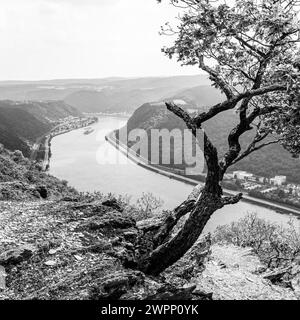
(17, 255)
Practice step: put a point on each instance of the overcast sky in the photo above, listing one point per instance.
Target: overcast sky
(47, 39)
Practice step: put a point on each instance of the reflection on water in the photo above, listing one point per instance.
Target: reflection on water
(90, 163)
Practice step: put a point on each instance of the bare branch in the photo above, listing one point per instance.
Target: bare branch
(252, 149)
(210, 151)
(183, 115)
(231, 103)
(216, 78)
(248, 45)
(213, 167)
(231, 200)
(234, 144)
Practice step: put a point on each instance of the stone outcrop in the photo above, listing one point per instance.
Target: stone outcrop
(90, 251)
(2, 278)
(169, 292)
(113, 203)
(110, 220)
(15, 256)
(115, 285)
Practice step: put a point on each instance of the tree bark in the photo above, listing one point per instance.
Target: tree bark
(171, 251)
(170, 222)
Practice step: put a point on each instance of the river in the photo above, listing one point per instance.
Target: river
(89, 163)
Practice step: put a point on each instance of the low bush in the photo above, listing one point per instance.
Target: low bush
(275, 245)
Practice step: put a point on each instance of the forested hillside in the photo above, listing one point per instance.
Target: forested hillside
(19, 126)
(272, 160)
(11, 141)
(23, 122)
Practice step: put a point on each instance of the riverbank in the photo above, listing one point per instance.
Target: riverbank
(111, 115)
(42, 147)
(130, 154)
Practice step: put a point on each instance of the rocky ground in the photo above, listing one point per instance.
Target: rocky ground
(77, 250)
(234, 273)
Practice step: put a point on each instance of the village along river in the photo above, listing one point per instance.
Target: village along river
(90, 163)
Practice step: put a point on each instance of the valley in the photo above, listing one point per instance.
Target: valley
(41, 150)
(82, 184)
(110, 171)
(92, 97)
(149, 151)
(278, 206)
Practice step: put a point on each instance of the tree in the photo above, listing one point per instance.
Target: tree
(281, 194)
(250, 50)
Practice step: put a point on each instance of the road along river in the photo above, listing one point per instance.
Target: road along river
(90, 163)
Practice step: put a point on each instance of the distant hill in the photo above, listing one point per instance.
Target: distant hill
(270, 161)
(201, 96)
(112, 100)
(101, 95)
(127, 95)
(49, 111)
(23, 122)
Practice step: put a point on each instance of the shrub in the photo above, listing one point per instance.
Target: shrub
(275, 245)
(64, 183)
(17, 156)
(148, 205)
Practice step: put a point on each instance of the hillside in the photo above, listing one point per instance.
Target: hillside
(101, 95)
(20, 179)
(69, 259)
(21, 123)
(57, 243)
(272, 160)
(46, 111)
(204, 95)
(18, 127)
(127, 95)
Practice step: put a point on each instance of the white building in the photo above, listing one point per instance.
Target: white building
(268, 190)
(242, 175)
(262, 179)
(278, 180)
(228, 176)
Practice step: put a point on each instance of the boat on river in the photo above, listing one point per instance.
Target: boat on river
(88, 130)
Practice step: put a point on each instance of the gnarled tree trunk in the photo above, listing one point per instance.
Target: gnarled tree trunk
(167, 252)
(171, 251)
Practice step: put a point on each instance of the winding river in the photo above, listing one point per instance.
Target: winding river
(89, 163)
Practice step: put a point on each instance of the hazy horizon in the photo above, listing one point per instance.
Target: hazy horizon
(80, 39)
(104, 78)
